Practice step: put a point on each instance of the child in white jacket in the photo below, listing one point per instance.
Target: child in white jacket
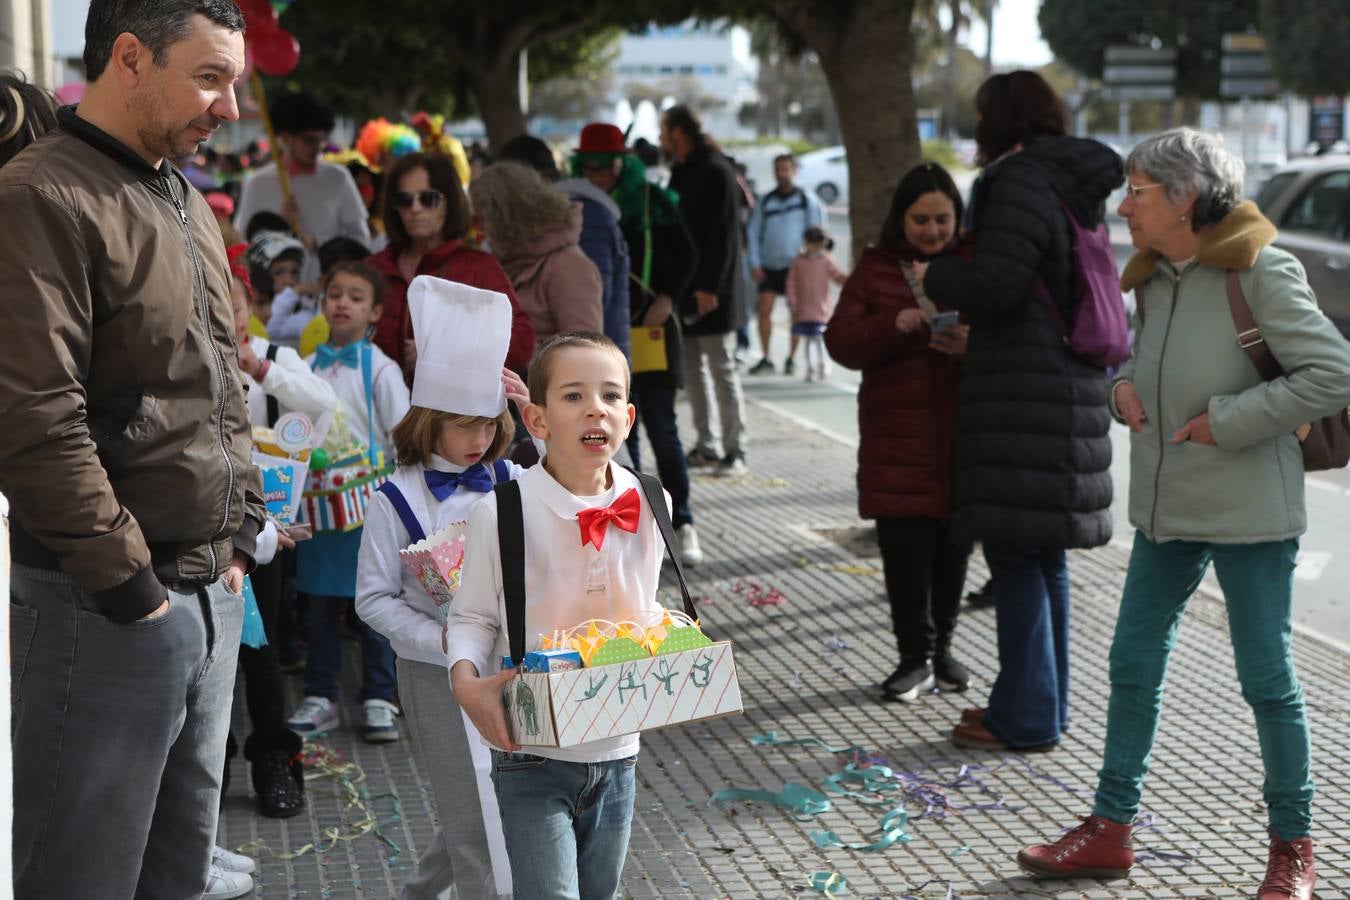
(448, 448)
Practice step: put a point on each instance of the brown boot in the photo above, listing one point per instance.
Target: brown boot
(1099, 848)
(1290, 873)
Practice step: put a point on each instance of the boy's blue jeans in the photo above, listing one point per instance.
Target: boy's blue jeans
(566, 824)
(1258, 587)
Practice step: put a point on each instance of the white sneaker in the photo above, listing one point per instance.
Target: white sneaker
(316, 716)
(686, 538)
(381, 722)
(823, 371)
(222, 885)
(232, 862)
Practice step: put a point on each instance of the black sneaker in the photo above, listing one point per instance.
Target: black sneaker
(701, 458)
(790, 366)
(732, 467)
(982, 598)
(765, 365)
(950, 674)
(909, 680)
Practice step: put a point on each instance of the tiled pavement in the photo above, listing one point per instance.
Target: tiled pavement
(805, 670)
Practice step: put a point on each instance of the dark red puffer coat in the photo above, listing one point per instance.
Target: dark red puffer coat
(907, 401)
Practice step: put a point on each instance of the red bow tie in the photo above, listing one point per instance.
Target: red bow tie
(623, 512)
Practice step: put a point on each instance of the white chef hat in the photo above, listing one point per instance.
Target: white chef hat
(462, 335)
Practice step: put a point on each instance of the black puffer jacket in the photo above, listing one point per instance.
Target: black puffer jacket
(1033, 456)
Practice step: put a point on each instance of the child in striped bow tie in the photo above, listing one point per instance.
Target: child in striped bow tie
(449, 448)
(592, 550)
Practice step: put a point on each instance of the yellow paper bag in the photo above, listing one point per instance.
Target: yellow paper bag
(649, 349)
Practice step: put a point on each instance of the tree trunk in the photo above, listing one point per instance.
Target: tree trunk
(949, 72)
(867, 60)
(496, 87)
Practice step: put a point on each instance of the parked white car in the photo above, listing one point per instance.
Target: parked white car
(825, 174)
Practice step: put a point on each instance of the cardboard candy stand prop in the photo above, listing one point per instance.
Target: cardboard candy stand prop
(436, 561)
(282, 456)
(603, 679)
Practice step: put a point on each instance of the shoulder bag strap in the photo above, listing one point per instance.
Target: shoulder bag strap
(511, 548)
(273, 406)
(656, 499)
(1248, 335)
(405, 513)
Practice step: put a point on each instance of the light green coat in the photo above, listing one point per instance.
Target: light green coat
(1186, 361)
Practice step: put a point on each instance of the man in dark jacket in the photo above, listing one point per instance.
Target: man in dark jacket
(706, 185)
(125, 455)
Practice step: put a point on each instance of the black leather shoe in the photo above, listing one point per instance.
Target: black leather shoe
(278, 775)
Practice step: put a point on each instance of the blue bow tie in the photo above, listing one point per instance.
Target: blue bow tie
(474, 478)
(349, 355)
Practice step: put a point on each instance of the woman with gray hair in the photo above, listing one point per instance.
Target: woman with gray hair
(1216, 475)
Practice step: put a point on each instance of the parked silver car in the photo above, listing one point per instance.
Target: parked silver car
(1309, 201)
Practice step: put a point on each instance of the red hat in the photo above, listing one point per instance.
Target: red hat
(237, 256)
(601, 137)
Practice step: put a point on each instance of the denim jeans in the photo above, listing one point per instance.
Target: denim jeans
(566, 824)
(118, 738)
(1029, 703)
(655, 401)
(1258, 589)
(378, 678)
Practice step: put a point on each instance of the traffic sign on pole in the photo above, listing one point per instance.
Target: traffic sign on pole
(1134, 73)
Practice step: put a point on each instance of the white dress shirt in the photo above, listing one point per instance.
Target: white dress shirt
(389, 397)
(291, 381)
(565, 583)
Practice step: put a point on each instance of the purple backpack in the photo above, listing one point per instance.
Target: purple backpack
(1098, 331)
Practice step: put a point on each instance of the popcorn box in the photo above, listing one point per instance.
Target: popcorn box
(563, 709)
(436, 561)
(283, 483)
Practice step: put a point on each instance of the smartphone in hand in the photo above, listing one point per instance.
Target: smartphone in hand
(945, 320)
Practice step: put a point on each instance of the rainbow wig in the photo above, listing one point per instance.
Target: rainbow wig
(382, 142)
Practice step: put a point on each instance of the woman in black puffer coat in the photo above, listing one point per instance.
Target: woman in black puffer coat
(1032, 462)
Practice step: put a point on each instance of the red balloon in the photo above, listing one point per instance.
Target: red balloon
(259, 17)
(276, 52)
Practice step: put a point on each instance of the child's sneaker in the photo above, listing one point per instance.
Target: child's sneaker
(790, 366)
(224, 885)
(822, 371)
(316, 717)
(381, 725)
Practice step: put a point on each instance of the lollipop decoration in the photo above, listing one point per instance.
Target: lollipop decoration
(294, 432)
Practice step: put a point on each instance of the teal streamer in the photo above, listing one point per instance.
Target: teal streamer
(803, 802)
(892, 829)
(771, 739)
(828, 883)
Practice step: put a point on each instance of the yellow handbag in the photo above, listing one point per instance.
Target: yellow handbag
(649, 349)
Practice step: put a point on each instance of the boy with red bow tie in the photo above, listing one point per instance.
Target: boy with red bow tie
(592, 551)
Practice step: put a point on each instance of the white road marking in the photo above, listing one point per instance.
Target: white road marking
(1310, 565)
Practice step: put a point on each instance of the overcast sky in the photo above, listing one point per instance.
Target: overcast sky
(1017, 36)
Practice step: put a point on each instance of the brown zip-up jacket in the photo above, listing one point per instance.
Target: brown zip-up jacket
(124, 439)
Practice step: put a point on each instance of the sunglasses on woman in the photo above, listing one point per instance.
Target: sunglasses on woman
(427, 199)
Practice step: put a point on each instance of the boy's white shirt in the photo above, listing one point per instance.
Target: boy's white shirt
(557, 572)
(389, 396)
(290, 380)
(389, 597)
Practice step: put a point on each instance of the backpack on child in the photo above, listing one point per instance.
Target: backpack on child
(1097, 330)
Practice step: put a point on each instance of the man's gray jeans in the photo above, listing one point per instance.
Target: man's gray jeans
(119, 740)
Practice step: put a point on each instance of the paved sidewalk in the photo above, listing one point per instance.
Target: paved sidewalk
(806, 667)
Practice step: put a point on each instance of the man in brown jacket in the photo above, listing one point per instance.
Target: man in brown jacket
(125, 454)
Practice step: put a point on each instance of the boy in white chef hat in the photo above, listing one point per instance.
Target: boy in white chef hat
(449, 447)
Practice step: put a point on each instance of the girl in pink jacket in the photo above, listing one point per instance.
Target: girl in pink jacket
(809, 299)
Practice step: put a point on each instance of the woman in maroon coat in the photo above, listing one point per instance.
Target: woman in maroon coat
(884, 326)
(427, 217)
